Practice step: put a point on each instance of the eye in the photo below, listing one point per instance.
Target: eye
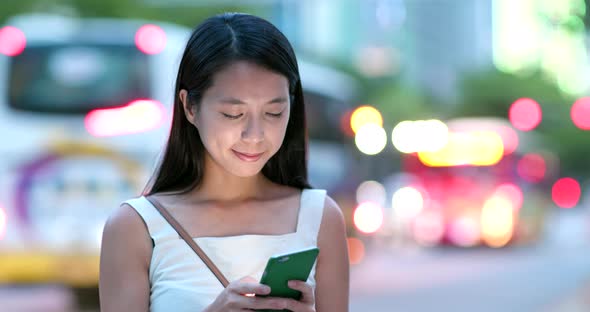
(277, 115)
(232, 116)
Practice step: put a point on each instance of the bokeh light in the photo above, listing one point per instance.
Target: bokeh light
(497, 221)
(150, 39)
(3, 222)
(566, 192)
(428, 228)
(532, 167)
(345, 123)
(377, 61)
(478, 148)
(356, 250)
(420, 136)
(372, 191)
(12, 41)
(525, 114)
(512, 193)
(371, 139)
(500, 126)
(137, 116)
(364, 115)
(509, 138)
(464, 231)
(407, 202)
(368, 217)
(580, 113)
(513, 21)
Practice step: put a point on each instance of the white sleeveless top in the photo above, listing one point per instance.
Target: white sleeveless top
(181, 282)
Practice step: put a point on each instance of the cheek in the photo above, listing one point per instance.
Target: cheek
(211, 130)
(218, 135)
(277, 134)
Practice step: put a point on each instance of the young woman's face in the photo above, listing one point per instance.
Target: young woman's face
(243, 117)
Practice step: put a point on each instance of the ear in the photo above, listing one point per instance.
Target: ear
(189, 112)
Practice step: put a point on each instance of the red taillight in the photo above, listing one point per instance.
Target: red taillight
(137, 116)
(150, 39)
(12, 41)
(525, 114)
(580, 113)
(566, 192)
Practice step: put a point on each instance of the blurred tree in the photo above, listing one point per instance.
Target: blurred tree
(9, 8)
(398, 102)
(187, 14)
(492, 93)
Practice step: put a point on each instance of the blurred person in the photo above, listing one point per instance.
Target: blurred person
(234, 175)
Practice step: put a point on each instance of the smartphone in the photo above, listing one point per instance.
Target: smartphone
(280, 269)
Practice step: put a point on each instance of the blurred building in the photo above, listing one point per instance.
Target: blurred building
(427, 43)
(445, 39)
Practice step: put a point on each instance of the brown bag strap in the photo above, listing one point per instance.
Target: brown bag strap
(180, 230)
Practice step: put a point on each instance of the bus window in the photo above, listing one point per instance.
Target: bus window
(75, 78)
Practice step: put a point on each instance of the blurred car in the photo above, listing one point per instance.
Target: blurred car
(85, 108)
(486, 186)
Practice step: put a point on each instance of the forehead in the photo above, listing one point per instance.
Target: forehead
(248, 79)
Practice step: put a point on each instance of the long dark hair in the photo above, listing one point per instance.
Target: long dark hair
(213, 45)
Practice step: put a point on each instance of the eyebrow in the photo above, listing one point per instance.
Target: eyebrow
(234, 101)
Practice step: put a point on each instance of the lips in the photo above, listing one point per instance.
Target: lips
(247, 156)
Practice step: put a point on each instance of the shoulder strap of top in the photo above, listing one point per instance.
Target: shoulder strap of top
(157, 226)
(312, 210)
(188, 239)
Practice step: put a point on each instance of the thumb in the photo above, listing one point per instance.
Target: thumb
(248, 279)
(249, 286)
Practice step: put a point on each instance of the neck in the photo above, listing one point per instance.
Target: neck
(220, 185)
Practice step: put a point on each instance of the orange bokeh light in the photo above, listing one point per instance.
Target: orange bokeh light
(356, 250)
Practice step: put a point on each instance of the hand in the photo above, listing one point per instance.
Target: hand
(240, 295)
(307, 301)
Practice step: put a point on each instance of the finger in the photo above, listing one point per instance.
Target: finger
(244, 288)
(305, 289)
(267, 303)
(294, 305)
(251, 281)
(247, 279)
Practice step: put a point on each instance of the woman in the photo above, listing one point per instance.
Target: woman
(234, 175)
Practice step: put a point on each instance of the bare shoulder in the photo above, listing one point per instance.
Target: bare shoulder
(333, 227)
(125, 219)
(332, 273)
(125, 232)
(333, 219)
(124, 262)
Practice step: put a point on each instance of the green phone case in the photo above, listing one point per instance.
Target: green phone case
(282, 268)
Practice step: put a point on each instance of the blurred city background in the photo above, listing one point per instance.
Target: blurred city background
(454, 134)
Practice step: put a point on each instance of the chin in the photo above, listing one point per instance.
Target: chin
(243, 174)
(246, 171)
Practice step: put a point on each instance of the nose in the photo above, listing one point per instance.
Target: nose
(254, 131)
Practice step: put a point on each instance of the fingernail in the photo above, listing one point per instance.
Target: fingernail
(265, 290)
(292, 283)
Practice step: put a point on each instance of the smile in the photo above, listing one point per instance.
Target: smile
(248, 157)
